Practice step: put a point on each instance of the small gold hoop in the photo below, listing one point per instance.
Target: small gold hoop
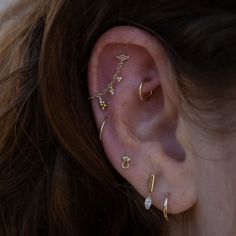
(165, 208)
(102, 128)
(141, 94)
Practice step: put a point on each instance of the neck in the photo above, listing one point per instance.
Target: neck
(216, 177)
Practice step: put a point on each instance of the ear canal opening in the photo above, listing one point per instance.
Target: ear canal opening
(169, 141)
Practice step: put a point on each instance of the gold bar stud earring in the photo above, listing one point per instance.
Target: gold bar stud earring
(148, 200)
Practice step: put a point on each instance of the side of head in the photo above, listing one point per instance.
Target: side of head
(181, 60)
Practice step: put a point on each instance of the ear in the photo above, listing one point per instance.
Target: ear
(147, 131)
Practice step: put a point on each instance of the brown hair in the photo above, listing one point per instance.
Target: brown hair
(54, 176)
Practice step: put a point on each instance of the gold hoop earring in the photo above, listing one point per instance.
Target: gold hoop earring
(142, 98)
(102, 128)
(165, 208)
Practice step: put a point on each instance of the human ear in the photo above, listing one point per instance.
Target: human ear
(141, 113)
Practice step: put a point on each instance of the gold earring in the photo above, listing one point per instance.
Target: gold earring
(142, 98)
(102, 128)
(110, 88)
(125, 162)
(165, 208)
(148, 200)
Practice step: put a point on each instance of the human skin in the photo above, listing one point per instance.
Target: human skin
(196, 168)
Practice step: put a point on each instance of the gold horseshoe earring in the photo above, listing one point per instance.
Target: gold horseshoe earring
(141, 96)
(102, 128)
(165, 208)
(125, 162)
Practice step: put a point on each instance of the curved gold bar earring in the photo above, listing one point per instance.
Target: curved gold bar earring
(102, 128)
(142, 98)
(165, 208)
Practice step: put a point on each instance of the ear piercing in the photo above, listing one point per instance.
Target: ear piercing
(148, 200)
(110, 88)
(102, 103)
(165, 208)
(125, 162)
(141, 96)
(102, 128)
(125, 159)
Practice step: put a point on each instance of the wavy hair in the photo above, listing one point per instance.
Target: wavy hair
(54, 176)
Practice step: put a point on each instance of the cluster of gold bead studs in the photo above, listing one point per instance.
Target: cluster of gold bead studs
(110, 88)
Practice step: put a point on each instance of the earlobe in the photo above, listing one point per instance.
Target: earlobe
(130, 91)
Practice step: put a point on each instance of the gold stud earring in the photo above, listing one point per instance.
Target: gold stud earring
(148, 200)
(143, 98)
(165, 208)
(102, 128)
(110, 88)
(125, 162)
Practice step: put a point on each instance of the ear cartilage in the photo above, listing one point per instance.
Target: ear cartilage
(148, 200)
(110, 88)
